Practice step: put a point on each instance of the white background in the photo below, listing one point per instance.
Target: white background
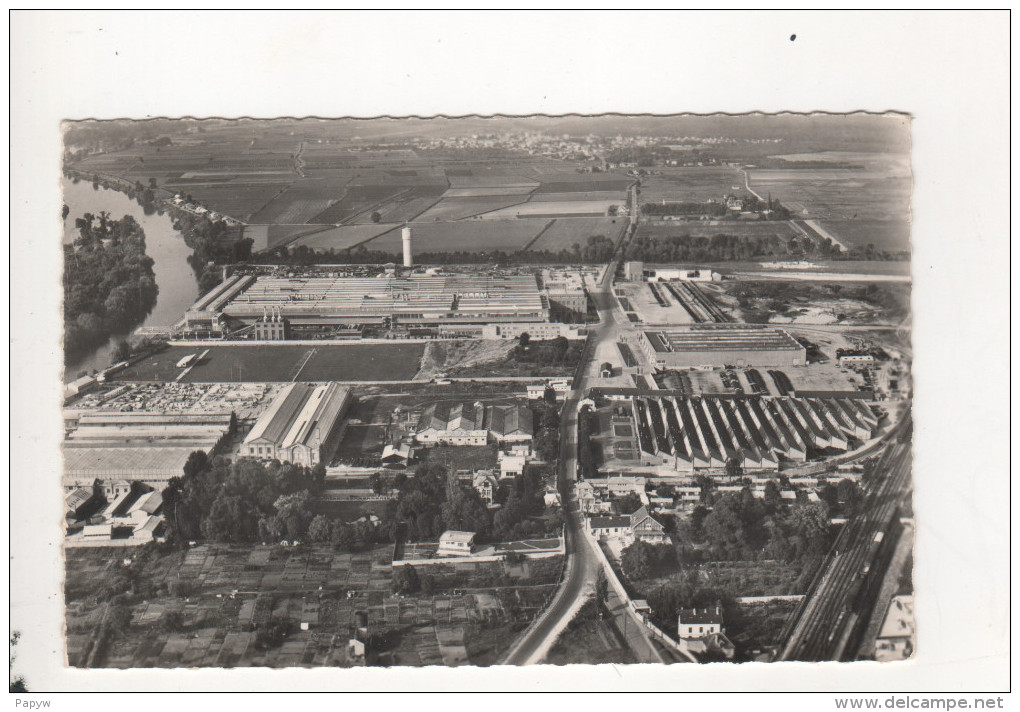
(950, 71)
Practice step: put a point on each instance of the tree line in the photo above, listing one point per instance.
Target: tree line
(109, 283)
(723, 248)
(597, 249)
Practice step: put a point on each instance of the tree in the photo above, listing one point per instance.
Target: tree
(524, 339)
(636, 561)
(171, 622)
(628, 504)
(320, 530)
(376, 216)
(405, 580)
(733, 468)
(773, 498)
(121, 352)
(601, 592)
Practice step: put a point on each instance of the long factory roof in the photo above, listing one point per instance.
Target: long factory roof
(721, 337)
(383, 295)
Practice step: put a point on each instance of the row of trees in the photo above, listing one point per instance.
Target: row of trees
(597, 249)
(683, 208)
(722, 247)
(109, 283)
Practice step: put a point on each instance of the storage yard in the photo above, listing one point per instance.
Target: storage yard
(278, 363)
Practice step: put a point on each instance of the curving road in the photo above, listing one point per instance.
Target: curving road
(582, 566)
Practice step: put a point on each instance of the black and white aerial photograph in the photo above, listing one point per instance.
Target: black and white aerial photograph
(492, 390)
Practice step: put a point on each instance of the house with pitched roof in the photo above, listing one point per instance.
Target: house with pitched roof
(700, 630)
(644, 526)
(453, 423)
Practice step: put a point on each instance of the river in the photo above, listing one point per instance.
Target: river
(178, 288)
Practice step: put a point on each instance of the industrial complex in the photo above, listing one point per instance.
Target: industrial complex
(716, 345)
(269, 307)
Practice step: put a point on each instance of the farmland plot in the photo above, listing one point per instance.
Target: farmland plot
(584, 186)
(468, 236)
(694, 184)
(619, 196)
(345, 237)
(709, 228)
(483, 179)
(481, 192)
(566, 232)
(573, 208)
(459, 208)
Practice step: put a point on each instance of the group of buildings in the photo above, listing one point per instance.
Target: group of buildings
(463, 423)
(719, 345)
(685, 434)
(480, 305)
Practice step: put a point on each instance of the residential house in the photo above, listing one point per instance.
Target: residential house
(486, 485)
(454, 543)
(643, 526)
(605, 527)
(700, 630)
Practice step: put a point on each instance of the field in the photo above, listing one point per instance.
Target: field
(459, 208)
(488, 192)
(618, 196)
(691, 184)
(552, 209)
(470, 236)
(342, 238)
(564, 233)
(859, 206)
(315, 586)
(226, 364)
(708, 228)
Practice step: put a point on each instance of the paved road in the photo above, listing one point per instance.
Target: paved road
(582, 565)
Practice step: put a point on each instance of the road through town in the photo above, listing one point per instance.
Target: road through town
(582, 565)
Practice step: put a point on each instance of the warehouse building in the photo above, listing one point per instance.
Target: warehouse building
(459, 423)
(409, 299)
(717, 345)
(302, 426)
(112, 451)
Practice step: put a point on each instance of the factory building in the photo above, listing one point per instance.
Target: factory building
(271, 326)
(638, 272)
(302, 426)
(717, 345)
(458, 423)
(409, 299)
(565, 291)
(119, 449)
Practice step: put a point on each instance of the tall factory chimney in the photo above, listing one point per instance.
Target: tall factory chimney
(405, 235)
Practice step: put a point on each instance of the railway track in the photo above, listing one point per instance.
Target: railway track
(841, 595)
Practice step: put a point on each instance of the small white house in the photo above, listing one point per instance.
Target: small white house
(454, 543)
